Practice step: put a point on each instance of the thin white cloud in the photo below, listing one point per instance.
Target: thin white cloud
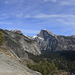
(50, 0)
(28, 16)
(20, 15)
(4, 16)
(6, 2)
(5, 23)
(63, 2)
(67, 2)
(62, 18)
(30, 31)
(27, 31)
(66, 22)
(50, 16)
(13, 1)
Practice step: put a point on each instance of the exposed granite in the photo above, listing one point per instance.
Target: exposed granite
(55, 42)
(19, 43)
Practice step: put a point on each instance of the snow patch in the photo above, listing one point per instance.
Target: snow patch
(38, 37)
(29, 37)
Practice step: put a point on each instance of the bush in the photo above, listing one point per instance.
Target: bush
(1, 38)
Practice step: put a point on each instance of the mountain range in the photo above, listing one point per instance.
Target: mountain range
(17, 46)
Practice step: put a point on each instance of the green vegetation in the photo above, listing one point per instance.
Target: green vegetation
(63, 60)
(1, 38)
(44, 67)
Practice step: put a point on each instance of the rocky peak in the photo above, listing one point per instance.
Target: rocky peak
(45, 34)
(49, 32)
(16, 31)
(49, 41)
(56, 42)
(29, 37)
(20, 43)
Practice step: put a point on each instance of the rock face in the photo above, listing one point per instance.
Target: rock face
(10, 63)
(20, 43)
(48, 41)
(13, 52)
(65, 43)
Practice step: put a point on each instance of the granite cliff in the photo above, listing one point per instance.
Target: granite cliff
(13, 53)
(20, 43)
(48, 41)
(10, 63)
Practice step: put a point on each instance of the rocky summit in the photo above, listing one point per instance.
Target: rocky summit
(48, 41)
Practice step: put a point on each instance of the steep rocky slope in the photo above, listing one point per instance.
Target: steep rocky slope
(10, 63)
(48, 41)
(20, 43)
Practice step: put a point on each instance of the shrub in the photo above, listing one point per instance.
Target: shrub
(1, 38)
(45, 67)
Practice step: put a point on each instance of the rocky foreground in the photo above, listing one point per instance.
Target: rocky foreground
(10, 63)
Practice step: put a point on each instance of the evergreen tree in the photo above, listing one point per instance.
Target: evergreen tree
(45, 67)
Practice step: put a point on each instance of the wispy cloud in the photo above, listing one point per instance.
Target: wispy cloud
(67, 2)
(61, 18)
(30, 31)
(13, 1)
(27, 31)
(50, 0)
(6, 23)
(3, 16)
(50, 16)
(66, 22)
(20, 15)
(6, 2)
(63, 2)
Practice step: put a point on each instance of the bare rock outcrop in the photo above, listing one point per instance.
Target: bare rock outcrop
(10, 63)
(20, 43)
(48, 41)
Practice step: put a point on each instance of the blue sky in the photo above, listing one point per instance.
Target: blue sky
(30, 16)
